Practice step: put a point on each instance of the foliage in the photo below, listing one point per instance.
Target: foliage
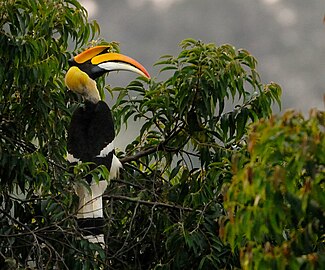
(166, 211)
(278, 192)
(33, 45)
(35, 111)
(176, 166)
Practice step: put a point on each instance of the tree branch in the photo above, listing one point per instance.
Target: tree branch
(161, 146)
(155, 204)
(140, 154)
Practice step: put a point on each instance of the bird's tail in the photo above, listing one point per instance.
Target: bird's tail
(90, 213)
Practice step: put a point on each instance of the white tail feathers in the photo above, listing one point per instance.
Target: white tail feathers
(99, 238)
(90, 202)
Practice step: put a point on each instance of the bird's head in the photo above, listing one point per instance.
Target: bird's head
(93, 63)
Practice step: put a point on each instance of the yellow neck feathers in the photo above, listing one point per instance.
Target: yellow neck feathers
(80, 83)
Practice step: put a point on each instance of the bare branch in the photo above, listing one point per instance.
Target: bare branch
(140, 154)
(155, 204)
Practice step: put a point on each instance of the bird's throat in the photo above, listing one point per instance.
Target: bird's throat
(80, 83)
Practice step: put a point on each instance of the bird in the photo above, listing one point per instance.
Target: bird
(91, 134)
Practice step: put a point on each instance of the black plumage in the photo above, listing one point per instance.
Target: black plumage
(91, 130)
(91, 133)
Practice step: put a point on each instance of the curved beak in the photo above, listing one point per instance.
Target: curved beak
(117, 61)
(98, 60)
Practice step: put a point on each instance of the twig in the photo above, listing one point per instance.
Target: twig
(129, 230)
(155, 204)
(161, 146)
(140, 154)
(138, 242)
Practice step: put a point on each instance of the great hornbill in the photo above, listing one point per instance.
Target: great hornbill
(91, 133)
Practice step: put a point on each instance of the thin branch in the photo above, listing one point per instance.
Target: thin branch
(31, 148)
(144, 233)
(155, 204)
(139, 155)
(127, 183)
(129, 231)
(154, 149)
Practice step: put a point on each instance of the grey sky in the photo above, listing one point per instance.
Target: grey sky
(286, 36)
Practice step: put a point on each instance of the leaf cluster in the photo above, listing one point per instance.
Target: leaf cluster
(212, 181)
(276, 198)
(37, 202)
(34, 113)
(193, 122)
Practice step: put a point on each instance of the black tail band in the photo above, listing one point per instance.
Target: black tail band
(91, 226)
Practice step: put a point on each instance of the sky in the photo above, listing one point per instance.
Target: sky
(286, 36)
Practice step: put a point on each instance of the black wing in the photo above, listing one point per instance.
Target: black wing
(91, 130)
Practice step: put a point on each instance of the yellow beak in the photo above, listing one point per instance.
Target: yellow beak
(90, 53)
(103, 61)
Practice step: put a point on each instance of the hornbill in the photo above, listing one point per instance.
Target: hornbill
(91, 133)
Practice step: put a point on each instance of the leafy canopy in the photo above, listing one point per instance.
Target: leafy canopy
(211, 181)
(175, 168)
(278, 191)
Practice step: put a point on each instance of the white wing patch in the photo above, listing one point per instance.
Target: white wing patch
(115, 167)
(71, 158)
(109, 148)
(116, 164)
